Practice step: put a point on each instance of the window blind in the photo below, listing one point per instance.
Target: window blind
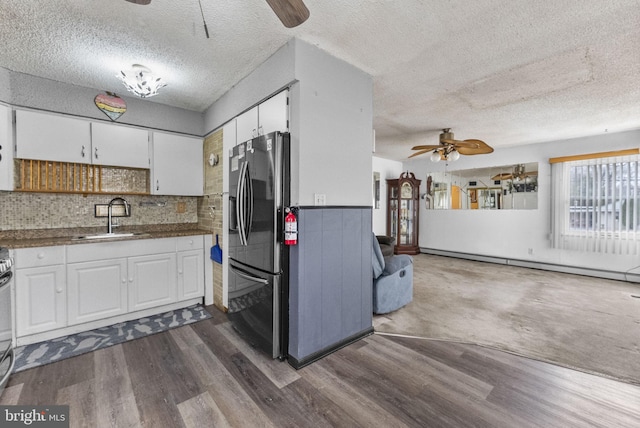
(596, 204)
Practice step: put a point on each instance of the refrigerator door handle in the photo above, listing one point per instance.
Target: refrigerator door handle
(249, 213)
(240, 201)
(245, 275)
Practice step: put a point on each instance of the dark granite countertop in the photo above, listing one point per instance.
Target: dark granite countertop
(29, 238)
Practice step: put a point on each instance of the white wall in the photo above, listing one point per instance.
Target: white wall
(388, 169)
(333, 144)
(5, 91)
(516, 234)
(331, 111)
(34, 92)
(273, 75)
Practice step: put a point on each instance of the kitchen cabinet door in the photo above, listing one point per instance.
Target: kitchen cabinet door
(177, 167)
(273, 114)
(247, 125)
(96, 290)
(40, 299)
(152, 281)
(190, 274)
(52, 137)
(117, 145)
(6, 149)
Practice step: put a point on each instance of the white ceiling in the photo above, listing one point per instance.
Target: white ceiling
(504, 71)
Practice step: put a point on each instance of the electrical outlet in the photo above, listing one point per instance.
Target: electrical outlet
(320, 199)
(181, 207)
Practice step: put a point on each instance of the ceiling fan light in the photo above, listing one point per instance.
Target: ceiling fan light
(435, 156)
(139, 80)
(453, 156)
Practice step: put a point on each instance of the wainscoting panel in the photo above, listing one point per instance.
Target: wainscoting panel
(330, 296)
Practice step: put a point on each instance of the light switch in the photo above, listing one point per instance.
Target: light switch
(320, 199)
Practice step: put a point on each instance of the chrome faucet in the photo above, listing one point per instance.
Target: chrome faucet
(110, 225)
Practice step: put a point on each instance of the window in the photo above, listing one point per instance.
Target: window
(596, 202)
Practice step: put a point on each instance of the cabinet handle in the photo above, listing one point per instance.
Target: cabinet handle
(95, 153)
(157, 184)
(82, 151)
(180, 272)
(58, 290)
(40, 256)
(260, 130)
(124, 280)
(130, 279)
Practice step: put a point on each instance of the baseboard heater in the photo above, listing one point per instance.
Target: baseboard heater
(598, 273)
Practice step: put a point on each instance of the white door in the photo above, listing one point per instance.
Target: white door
(152, 281)
(96, 290)
(177, 165)
(118, 145)
(40, 299)
(46, 136)
(273, 114)
(190, 274)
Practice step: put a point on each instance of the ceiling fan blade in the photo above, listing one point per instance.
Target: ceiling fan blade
(474, 147)
(143, 2)
(421, 152)
(427, 147)
(448, 141)
(291, 12)
(466, 143)
(502, 176)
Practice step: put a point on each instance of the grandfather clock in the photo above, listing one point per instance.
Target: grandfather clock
(403, 195)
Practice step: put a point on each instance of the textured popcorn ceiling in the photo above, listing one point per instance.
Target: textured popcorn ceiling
(505, 71)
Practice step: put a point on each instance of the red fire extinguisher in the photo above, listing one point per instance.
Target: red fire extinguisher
(290, 228)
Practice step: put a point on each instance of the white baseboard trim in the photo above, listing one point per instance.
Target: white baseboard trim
(598, 273)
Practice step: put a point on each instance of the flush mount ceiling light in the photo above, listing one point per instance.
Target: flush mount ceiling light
(141, 81)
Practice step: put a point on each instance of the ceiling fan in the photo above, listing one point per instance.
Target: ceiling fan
(518, 174)
(291, 12)
(450, 149)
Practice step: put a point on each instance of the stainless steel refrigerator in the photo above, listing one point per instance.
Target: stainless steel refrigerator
(258, 259)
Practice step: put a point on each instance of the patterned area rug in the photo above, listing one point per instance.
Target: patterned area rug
(38, 354)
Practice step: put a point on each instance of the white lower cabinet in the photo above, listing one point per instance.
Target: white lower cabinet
(152, 281)
(190, 274)
(41, 298)
(96, 290)
(67, 289)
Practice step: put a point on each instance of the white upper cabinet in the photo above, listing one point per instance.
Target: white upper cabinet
(118, 145)
(46, 136)
(6, 149)
(273, 114)
(269, 116)
(177, 165)
(247, 125)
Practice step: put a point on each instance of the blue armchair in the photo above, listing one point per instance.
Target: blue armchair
(392, 280)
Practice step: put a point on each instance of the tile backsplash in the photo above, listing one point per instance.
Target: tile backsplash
(25, 210)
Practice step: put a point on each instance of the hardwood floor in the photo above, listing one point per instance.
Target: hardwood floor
(203, 375)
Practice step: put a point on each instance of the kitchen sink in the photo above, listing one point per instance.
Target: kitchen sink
(108, 235)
